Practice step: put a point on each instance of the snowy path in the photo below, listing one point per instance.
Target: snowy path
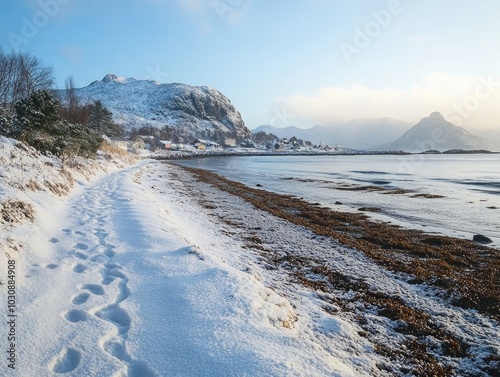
(83, 325)
(115, 285)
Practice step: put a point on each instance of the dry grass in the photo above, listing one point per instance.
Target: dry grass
(111, 152)
(15, 212)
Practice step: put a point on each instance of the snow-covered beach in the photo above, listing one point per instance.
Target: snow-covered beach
(146, 270)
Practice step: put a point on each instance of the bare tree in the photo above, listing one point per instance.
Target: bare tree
(4, 77)
(20, 75)
(72, 111)
(35, 75)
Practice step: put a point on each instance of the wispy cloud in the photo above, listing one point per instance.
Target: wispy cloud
(453, 96)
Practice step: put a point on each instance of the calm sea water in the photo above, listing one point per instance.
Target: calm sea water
(470, 185)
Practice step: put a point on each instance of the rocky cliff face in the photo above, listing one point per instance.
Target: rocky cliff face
(191, 111)
(435, 133)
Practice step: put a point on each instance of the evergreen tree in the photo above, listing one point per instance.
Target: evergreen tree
(36, 119)
(101, 120)
(37, 123)
(6, 122)
(38, 112)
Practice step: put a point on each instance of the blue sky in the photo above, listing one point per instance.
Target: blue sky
(293, 62)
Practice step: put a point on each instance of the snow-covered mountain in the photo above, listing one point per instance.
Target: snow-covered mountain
(194, 111)
(436, 133)
(365, 133)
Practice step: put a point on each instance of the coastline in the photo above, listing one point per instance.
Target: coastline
(458, 274)
(183, 155)
(433, 259)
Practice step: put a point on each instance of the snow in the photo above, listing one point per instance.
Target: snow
(129, 275)
(435, 133)
(142, 103)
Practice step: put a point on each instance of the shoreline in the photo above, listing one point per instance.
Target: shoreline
(438, 260)
(321, 256)
(180, 155)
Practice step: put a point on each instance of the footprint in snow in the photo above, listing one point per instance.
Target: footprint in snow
(67, 361)
(81, 255)
(81, 246)
(54, 240)
(80, 298)
(51, 266)
(95, 289)
(99, 259)
(107, 280)
(75, 315)
(66, 230)
(117, 316)
(116, 273)
(79, 268)
(109, 253)
(79, 232)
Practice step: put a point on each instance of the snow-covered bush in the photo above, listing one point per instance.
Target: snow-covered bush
(37, 123)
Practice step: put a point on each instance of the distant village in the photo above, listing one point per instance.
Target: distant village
(267, 142)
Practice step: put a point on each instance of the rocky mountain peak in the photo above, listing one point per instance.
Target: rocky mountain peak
(436, 133)
(111, 77)
(189, 111)
(436, 115)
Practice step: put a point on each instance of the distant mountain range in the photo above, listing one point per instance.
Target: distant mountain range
(193, 111)
(359, 134)
(431, 133)
(436, 133)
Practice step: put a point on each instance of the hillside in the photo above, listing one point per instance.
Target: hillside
(192, 111)
(435, 133)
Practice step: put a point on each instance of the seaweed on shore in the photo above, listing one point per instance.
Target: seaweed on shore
(468, 272)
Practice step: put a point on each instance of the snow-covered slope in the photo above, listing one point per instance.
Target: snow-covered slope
(435, 133)
(194, 111)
